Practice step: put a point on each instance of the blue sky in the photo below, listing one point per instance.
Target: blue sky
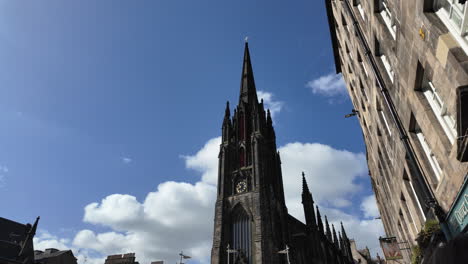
(117, 97)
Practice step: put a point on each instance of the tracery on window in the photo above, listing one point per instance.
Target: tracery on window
(241, 235)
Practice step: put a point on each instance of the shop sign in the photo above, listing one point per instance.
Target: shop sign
(390, 248)
(458, 215)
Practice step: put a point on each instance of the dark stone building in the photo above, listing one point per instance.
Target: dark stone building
(252, 224)
(16, 242)
(54, 256)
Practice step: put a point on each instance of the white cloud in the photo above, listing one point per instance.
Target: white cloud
(179, 216)
(331, 173)
(44, 240)
(369, 207)
(328, 85)
(126, 160)
(270, 103)
(206, 161)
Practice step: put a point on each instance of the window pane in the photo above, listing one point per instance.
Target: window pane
(445, 5)
(456, 17)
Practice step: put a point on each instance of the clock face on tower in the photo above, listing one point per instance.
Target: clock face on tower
(241, 186)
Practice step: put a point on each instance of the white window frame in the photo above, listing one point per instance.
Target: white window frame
(440, 110)
(364, 68)
(458, 30)
(387, 66)
(413, 220)
(388, 18)
(417, 200)
(429, 154)
(382, 114)
(361, 10)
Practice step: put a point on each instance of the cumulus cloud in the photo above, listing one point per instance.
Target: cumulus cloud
(270, 103)
(44, 240)
(176, 216)
(369, 207)
(331, 173)
(179, 216)
(205, 161)
(328, 85)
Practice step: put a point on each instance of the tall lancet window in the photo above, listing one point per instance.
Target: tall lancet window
(241, 157)
(241, 126)
(241, 236)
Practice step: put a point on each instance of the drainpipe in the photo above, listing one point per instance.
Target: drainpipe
(431, 201)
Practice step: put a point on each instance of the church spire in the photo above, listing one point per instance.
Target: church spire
(226, 130)
(248, 93)
(327, 226)
(227, 113)
(319, 221)
(346, 243)
(335, 239)
(308, 204)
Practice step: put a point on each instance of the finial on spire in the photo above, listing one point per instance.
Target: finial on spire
(305, 187)
(248, 93)
(246, 39)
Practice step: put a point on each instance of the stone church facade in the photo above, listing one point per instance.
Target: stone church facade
(252, 224)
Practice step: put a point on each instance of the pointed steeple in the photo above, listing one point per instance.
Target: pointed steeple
(227, 112)
(308, 204)
(335, 239)
(346, 243)
(319, 221)
(269, 121)
(28, 243)
(329, 235)
(305, 187)
(341, 242)
(248, 93)
(226, 131)
(343, 231)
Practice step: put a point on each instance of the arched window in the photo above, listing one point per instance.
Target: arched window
(241, 235)
(241, 157)
(241, 126)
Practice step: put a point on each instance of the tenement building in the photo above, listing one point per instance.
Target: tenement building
(16, 242)
(252, 224)
(405, 65)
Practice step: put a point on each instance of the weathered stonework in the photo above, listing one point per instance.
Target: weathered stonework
(423, 49)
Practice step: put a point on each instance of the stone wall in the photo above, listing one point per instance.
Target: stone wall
(412, 35)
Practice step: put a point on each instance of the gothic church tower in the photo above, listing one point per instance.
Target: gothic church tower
(250, 213)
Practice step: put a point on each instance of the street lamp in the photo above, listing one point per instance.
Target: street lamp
(353, 113)
(182, 256)
(285, 251)
(229, 251)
